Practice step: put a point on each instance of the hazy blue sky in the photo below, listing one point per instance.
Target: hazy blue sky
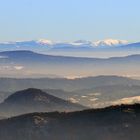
(69, 19)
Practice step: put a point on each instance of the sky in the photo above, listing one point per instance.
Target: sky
(69, 20)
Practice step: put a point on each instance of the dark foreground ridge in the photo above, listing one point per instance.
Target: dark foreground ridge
(111, 123)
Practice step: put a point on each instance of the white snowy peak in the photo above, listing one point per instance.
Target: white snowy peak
(110, 42)
(45, 42)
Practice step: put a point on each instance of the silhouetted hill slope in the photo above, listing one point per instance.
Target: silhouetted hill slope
(35, 100)
(112, 123)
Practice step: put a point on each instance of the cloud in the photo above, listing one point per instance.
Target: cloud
(93, 99)
(129, 100)
(5, 67)
(1, 57)
(11, 68)
(73, 100)
(18, 67)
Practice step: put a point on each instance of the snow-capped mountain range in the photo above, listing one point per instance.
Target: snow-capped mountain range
(78, 43)
(101, 43)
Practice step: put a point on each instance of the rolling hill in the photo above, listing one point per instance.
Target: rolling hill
(35, 100)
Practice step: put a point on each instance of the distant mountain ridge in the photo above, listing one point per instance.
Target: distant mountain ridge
(30, 64)
(13, 84)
